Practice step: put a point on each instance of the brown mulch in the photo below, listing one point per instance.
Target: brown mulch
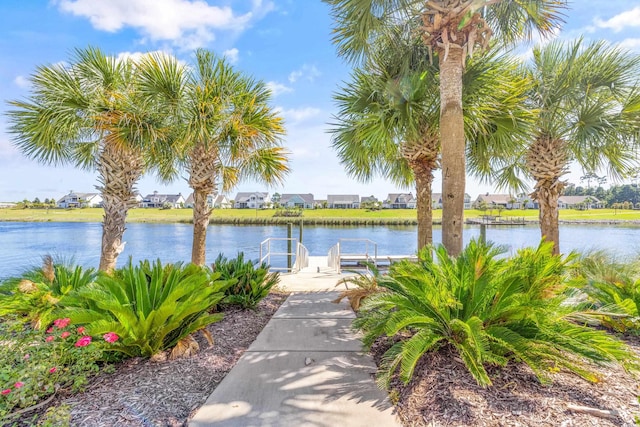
(161, 392)
(443, 393)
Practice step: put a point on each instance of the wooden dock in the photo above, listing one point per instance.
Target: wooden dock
(495, 220)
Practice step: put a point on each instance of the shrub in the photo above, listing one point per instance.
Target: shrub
(34, 295)
(253, 282)
(490, 310)
(612, 289)
(150, 307)
(366, 284)
(34, 366)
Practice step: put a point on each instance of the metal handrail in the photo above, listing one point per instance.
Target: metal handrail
(302, 257)
(301, 253)
(336, 255)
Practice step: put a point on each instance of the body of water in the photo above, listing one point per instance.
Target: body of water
(22, 244)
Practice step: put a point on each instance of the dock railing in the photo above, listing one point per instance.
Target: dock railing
(338, 253)
(269, 250)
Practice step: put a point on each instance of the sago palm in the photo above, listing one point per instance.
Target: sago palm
(229, 132)
(490, 310)
(586, 101)
(387, 121)
(90, 114)
(453, 29)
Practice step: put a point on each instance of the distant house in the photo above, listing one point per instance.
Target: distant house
(400, 201)
(506, 201)
(304, 201)
(157, 200)
(527, 202)
(343, 201)
(257, 200)
(369, 201)
(217, 202)
(436, 200)
(7, 205)
(80, 200)
(320, 203)
(579, 202)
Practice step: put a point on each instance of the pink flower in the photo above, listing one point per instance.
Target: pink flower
(81, 330)
(110, 337)
(62, 323)
(53, 370)
(83, 342)
(18, 384)
(50, 330)
(50, 338)
(6, 391)
(26, 356)
(65, 334)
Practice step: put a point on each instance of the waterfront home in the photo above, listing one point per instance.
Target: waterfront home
(343, 201)
(370, 202)
(304, 201)
(493, 201)
(157, 200)
(579, 202)
(256, 200)
(213, 201)
(400, 201)
(80, 200)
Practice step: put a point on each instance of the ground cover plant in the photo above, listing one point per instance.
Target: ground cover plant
(489, 310)
(252, 280)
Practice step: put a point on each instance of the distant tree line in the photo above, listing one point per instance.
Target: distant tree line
(37, 203)
(625, 196)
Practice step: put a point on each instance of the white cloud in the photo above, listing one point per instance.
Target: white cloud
(278, 88)
(22, 81)
(185, 23)
(298, 114)
(629, 18)
(232, 55)
(306, 72)
(631, 44)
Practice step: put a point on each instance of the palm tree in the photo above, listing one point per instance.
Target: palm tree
(453, 29)
(90, 114)
(587, 103)
(228, 132)
(387, 121)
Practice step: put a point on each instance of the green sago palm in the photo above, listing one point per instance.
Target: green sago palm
(489, 309)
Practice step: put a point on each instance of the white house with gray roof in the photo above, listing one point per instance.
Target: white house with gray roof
(80, 200)
(399, 201)
(157, 200)
(256, 200)
(343, 201)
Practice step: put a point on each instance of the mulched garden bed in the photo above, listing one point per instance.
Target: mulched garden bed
(443, 393)
(163, 392)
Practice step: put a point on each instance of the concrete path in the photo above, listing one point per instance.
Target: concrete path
(306, 368)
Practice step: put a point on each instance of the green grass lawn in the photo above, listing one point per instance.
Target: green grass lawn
(184, 215)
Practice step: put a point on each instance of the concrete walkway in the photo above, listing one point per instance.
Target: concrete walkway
(306, 368)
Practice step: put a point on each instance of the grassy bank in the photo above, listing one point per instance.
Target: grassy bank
(310, 217)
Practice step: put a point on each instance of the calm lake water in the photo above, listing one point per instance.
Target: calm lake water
(23, 244)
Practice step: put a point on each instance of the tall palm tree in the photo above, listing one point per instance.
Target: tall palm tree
(228, 132)
(587, 104)
(387, 121)
(453, 29)
(90, 114)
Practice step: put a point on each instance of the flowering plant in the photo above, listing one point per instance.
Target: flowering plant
(35, 366)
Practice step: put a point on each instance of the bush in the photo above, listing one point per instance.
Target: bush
(253, 282)
(366, 284)
(33, 365)
(34, 295)
(490, 310)
(150, 307)
(612, 289)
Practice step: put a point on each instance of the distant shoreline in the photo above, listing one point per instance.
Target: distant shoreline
(324, 217)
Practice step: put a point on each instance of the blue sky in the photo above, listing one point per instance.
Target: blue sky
(286, 43)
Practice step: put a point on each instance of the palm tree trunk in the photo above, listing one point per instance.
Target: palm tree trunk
(547, 162)
(453, 149)
(548, 199)
(119, 170)
(201, 214)
(424, 178)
